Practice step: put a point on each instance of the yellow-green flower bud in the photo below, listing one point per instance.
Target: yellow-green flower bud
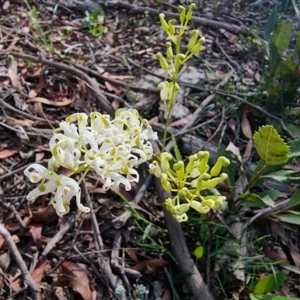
(215, 181)
(165, 157)
(196, 205)
(163, 63)
(191, 164)
(181, 10)
(208, 202)
(185, 193)
(221, 162)
(198, 46)
(164, 91)
(179, 61)
(180, 209)
(190, 11)
(179, 168)
(204, 156)
(169, 53)
(181, 218)
(171, 24)
(165, 183)
(155, 169)
(193, 39)
(163, 22)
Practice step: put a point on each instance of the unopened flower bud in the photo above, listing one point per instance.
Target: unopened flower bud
(221, 162)
(164, 24)
(193, 39)
(190, 11)
(163, 63)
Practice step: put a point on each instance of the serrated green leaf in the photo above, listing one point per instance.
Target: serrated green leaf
(198, 252)
(176, 149)
(289, 218)
(282, 36)
(270, 146)
(270, 283)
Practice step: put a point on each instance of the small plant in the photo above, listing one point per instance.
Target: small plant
(94, 21)
(281, 74)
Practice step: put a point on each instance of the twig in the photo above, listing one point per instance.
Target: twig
(180, 250)
(91, 82)
(20, 262)
(121, 220)
(233, 62)
(22, 113)
(256, 107)
(103, 259)
(59, 235)
(266, 211)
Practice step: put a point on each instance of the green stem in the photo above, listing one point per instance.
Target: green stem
(256, 177)
(83, 175)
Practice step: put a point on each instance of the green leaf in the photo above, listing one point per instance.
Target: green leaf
(294, 148)
(270, 146)
(271, 23)
(271, 297)
(270, 283)
(176, 149)
(282, 36)
(295, 198)
(284, 175)
(198, 252)
(268, 201)
(289, 218)
(250, 197)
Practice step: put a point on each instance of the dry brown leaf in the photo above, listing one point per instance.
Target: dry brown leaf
(246, 128)
(75, 276)
(36, 233)
(13, 75)
(231, 124)
(151, 264)
(234, 150)
(7, 153)
(38, 272)
(65, 102)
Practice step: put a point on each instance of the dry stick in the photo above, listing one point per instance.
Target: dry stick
(179, 247)
(196, 20)
(91, 82)
(20, 262)
(59, 235)
(121, 220)
(196, 113)
(103, 259)
(258, 108)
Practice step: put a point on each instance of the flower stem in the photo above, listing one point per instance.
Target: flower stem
(255, 178)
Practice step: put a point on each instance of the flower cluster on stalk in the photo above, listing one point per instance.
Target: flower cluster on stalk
(187, 181)
(112, 148)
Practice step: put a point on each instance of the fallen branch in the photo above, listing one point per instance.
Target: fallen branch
(20, 262)
(101, 100)
(196, 20)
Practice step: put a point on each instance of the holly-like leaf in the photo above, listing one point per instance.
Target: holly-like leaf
(270, 146)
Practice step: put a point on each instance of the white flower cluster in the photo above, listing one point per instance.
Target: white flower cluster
(113, 148)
